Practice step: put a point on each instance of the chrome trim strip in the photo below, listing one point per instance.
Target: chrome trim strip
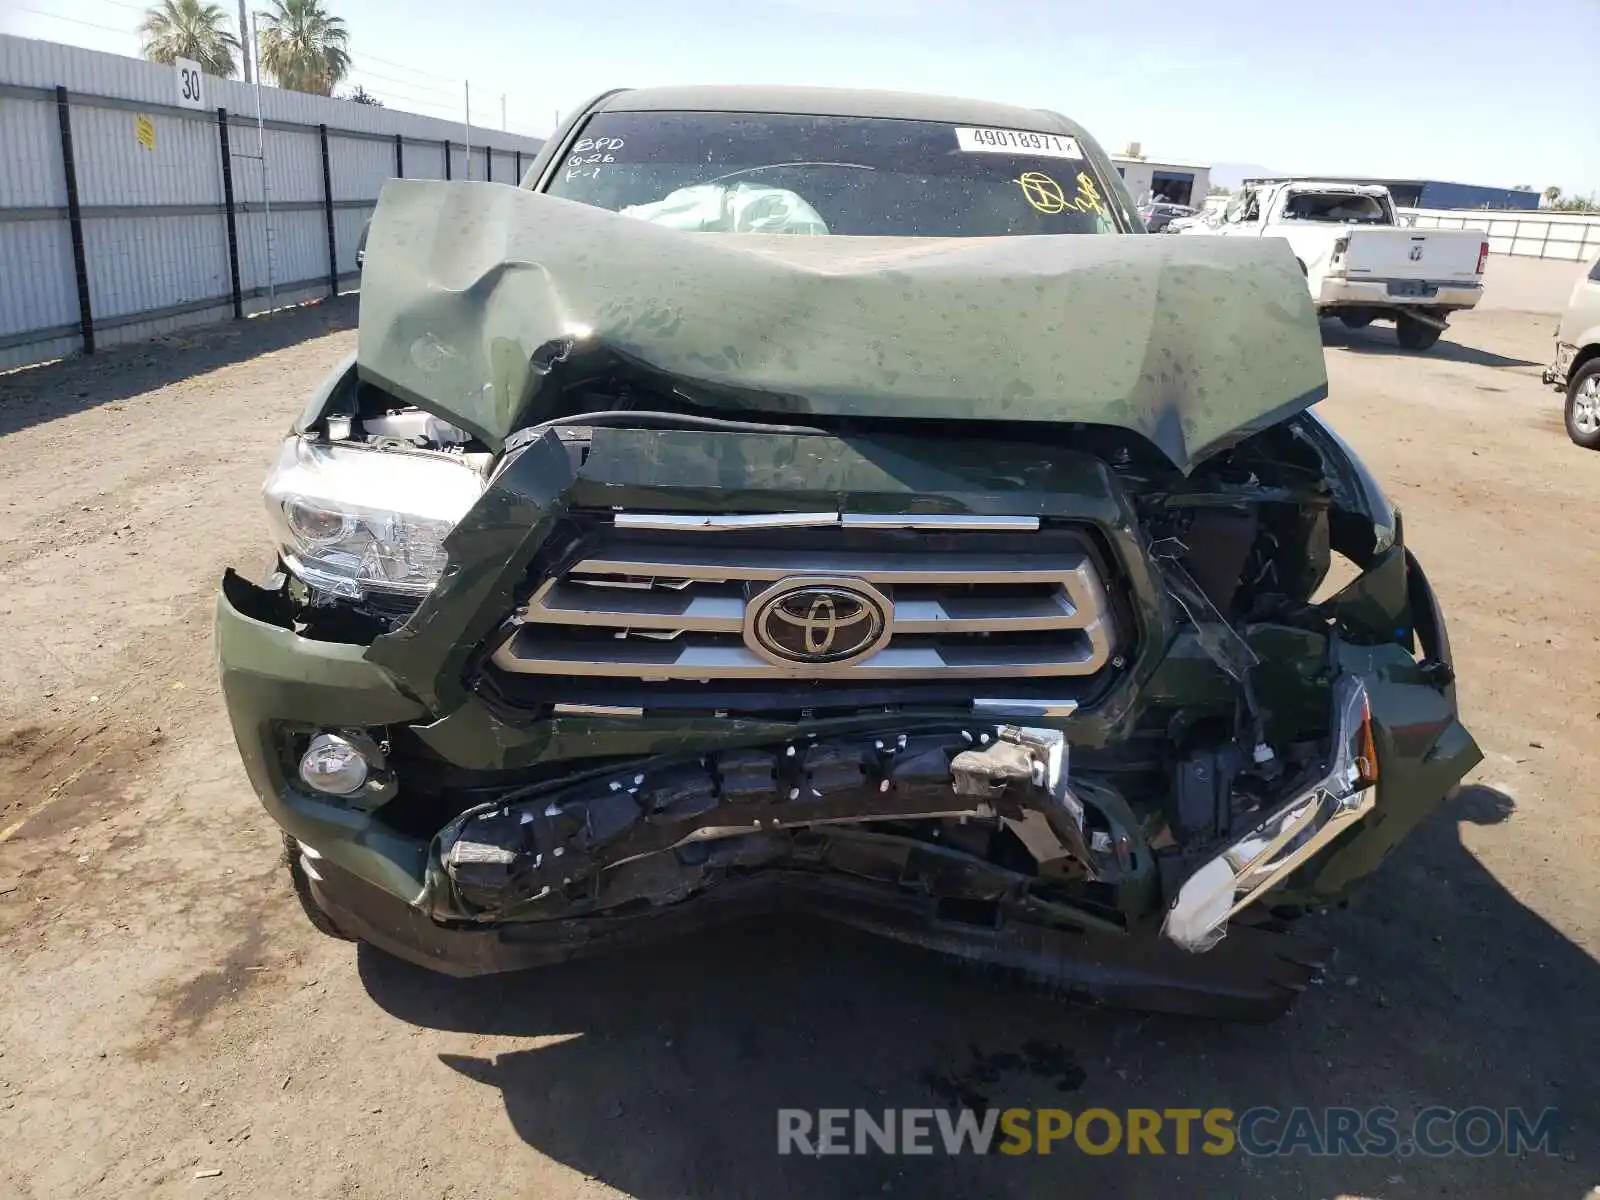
(596, 710)
(1024, 708)
(959, 522)
(709, 522)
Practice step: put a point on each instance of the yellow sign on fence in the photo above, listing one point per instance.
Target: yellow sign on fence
(144, 131)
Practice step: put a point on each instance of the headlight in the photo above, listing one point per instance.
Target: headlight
(352, 520)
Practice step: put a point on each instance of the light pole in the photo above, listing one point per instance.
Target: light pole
(244, 38)
(261, 149)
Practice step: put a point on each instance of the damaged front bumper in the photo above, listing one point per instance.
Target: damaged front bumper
(1559, 371)
(815, 832)
(1290, 836)
(1255, 973)
(498, 834)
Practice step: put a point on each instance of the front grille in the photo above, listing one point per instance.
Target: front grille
(958, 604)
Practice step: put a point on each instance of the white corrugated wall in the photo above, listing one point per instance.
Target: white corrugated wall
(31, 135)
(1571, 237)
(134, 149)
(424, 160)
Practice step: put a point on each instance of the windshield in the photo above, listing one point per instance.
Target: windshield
(782, 173)
(1340, 207)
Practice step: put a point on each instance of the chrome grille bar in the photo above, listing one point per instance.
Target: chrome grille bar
(569, 602)
(535, 655)
(709, 563)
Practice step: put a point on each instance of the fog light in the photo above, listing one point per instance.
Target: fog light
(334, 765)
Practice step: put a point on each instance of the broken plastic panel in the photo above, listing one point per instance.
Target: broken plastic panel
(1220, 640)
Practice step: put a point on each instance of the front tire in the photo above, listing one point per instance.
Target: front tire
(1583, 405)
(1356, 320)
(1414, 334)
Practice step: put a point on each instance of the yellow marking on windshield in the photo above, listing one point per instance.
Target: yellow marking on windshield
(1042, 192)
(1048, 196)
(1088, 197)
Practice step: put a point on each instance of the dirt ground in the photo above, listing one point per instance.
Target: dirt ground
(165, 1010)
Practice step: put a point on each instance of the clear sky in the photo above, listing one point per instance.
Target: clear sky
(1462, 90)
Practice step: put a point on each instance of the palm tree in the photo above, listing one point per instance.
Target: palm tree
(1552, 194)
(304, 46)
(177, 29)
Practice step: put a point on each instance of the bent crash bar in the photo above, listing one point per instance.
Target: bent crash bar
(1293, 833)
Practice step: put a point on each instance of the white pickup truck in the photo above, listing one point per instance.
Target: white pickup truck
(1360, 264)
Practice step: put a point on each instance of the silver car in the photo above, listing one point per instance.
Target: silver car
(1577, 365)
(1157, 215)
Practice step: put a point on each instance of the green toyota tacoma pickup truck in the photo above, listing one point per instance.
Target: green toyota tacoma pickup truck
(832, 502)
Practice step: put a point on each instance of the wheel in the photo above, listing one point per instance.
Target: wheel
(1583, 405)
(1415, 334)
(302, 892)
(1355, 319)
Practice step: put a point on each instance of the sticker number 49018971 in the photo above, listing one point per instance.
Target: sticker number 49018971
(1016, 141)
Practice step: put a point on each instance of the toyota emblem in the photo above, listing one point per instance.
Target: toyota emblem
(818, 622)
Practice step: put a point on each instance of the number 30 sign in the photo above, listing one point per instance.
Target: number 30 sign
(191, 84)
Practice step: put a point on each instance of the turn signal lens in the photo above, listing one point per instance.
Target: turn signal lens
(1366, 756)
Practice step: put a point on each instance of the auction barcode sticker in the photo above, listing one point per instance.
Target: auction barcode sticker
(1016, 141)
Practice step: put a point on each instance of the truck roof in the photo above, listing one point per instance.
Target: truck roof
(839, 102)
(1326, 185)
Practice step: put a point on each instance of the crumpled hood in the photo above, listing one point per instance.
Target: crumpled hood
(474, 294)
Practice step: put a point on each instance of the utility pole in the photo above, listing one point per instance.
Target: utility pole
(502, 112)
(466, 91)
(244, 38)
(266, 178)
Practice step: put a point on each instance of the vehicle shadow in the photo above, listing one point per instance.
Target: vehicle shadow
(662, 1074)
(34, 396)
(1379, 339)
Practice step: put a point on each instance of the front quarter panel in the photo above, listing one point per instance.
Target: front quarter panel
(1423, 752)
(1423, 749)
